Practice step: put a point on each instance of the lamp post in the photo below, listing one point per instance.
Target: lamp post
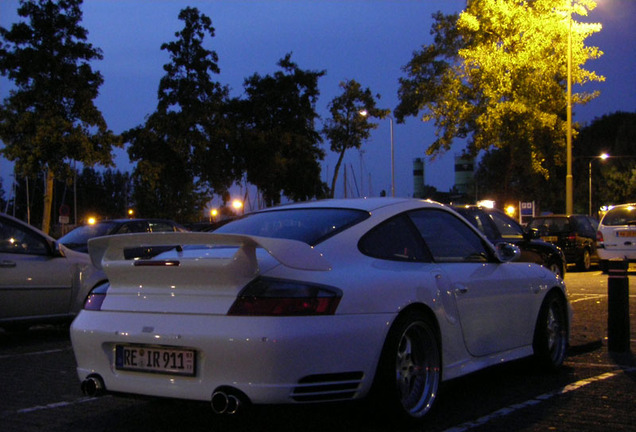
(392, 160)
(364, 113)
(602, 157)
(569, 201)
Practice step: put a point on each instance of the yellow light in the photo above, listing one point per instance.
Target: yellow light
(214, 212)
(237, 204)
(511, 210)
(486, 203)
(91, 220)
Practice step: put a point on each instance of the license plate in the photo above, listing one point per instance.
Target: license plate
(551, 239)
(152, 359)
(626, 233)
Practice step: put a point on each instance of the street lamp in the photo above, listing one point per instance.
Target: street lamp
(602, 157)
(569, 200)
(392, 159)
(364, 113)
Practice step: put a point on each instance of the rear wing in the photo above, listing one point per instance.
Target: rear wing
(290, 253)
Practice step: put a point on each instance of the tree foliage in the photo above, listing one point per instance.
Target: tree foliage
(496, 75)
(349, 124)
(183, 150)
(50, 120)
(279, 147)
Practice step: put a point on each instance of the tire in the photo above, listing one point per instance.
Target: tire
(585, 262)
(409, 372)
(556, 268)
(551, 333)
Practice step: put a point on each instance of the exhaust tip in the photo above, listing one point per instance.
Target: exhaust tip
(228, 401)
(93, 386)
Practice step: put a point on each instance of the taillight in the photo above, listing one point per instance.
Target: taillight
(96, 297)
(277, 297)
(599, 236)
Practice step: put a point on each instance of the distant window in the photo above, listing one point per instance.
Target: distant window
(620, 216)
(160, 226)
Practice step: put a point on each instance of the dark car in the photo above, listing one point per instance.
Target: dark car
(499, 227)
(574, 234)
(78, 238)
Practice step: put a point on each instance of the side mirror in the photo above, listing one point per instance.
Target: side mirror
(57, 250)
(507, 252)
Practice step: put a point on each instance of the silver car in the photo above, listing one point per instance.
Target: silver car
(41, 281)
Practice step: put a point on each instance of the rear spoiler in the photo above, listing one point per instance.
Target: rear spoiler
(290, 253)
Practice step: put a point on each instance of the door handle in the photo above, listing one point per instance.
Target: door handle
(461, 289)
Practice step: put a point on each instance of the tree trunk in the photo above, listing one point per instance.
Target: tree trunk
(48, 202)
(335, 173)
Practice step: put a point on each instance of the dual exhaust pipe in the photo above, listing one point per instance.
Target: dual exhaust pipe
(224, 400)
(227, 401)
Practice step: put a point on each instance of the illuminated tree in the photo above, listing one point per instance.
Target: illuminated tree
(496, 75)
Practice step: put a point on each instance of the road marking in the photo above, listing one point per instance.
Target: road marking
(54, 351)
(539, 399)
(589, 297)
(56, 405)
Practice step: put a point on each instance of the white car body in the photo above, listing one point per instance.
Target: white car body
(616, 234)
(486, 312)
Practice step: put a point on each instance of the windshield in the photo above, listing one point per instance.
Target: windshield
(311, 225)
(80, 235)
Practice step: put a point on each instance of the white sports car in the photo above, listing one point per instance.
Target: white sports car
(323, 301)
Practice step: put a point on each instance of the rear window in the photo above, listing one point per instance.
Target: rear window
(620, 216)
(551, 225)
(311, 225)
(82, 234)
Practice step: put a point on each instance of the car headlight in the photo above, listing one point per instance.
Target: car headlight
(278, 297)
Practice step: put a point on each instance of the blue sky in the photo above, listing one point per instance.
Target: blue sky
(365, 40)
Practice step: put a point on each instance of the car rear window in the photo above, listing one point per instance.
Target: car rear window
(551, 225)
(82, 234)
(620, 216)
(311, 225)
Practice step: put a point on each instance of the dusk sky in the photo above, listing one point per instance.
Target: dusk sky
(365, 40)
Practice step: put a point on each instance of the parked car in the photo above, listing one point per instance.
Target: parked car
(574, 234)
(313, 302)
(41, 281)
(77, 239)
(616, 234)
(499, 227)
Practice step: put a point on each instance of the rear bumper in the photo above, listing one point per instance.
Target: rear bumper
(268, 359)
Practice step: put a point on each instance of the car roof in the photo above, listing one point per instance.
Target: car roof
(366, 204)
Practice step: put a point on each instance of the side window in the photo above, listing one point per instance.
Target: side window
(133, 227)
(395, 239)
(14, 239)
(159, 226)
(448, 238)
(507, 227)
